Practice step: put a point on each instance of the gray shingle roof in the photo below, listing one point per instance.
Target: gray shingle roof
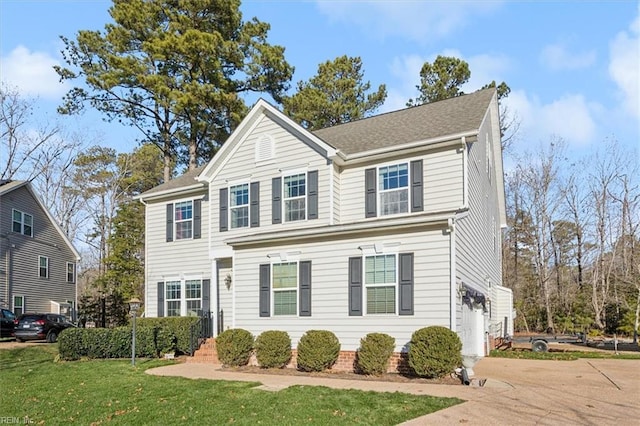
(451, 116)
(183, 181)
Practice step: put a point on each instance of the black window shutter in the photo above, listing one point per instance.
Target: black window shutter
(305, 288)
(169, 222)
(406, 284)
(160, 299)
(355, 286)
(206, 300)
(265, 290)
(197, 219)
(254, 203)
(312, 195)
(224, 216)
(276, 204)
(370, 192)
(417, 203)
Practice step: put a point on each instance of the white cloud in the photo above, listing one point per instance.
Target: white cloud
(558, 57)
(570, 117)
(31, 73)
(415, 20)
(624, 66)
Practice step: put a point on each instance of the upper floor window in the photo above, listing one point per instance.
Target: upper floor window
(295, 197)
(394, 189)
(239, 205)
(22, 223)
(71, 272)
(184, 220)
(43, 270)
(393, 186)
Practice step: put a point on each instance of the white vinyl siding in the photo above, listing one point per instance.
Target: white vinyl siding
(329, 294)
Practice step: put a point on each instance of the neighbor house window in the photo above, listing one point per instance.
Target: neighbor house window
(295, 197)
(174, 298)
(43, 270)
(18, 305)
(239, 205)
(71, 272)
(380, 283)
(184, 220)
(393, 187)
(22, 223)
(285, 288)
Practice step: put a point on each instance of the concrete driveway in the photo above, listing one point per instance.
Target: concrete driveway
(528, 392)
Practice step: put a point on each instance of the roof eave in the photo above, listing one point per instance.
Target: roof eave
(171, 192)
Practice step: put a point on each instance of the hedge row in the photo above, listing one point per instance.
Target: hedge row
(154, 337)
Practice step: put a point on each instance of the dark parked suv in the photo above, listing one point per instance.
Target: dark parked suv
(7, 319)
(40, 327)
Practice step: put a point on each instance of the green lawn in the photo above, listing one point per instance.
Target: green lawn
(114, 392)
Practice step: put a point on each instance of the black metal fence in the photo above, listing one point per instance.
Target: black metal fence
(200, 331)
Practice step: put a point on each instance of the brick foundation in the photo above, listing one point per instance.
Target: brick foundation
(399, 362)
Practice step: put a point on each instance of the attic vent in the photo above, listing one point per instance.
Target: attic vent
(264, 148)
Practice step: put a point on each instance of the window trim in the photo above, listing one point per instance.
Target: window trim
(407, 188)
(247, 205)
(46, 267)
(395, 285)
(176, 221)
(182, 281)
(73, 272)
(273, 290)
(13, 302)
(292, 173)
(22, 222)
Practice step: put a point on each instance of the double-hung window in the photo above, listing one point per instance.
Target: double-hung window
(393, 187)
(285, 288)
(18, 305)
(174, 298)
(295, 197)
(381, 281)
(22, 223)
(193, 297)
(183, 220)
(71, 272)
(239, 205)
(43, 269)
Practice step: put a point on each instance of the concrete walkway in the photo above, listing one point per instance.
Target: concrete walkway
(522, 392)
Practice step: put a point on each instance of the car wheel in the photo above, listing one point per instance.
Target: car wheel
(539, 346)
(52, 337)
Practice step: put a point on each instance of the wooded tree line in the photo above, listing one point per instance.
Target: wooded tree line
(179, 72)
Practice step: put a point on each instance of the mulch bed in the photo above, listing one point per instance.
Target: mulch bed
(388, 377)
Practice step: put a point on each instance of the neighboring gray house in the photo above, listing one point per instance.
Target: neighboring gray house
(386, 224)
(37, 261)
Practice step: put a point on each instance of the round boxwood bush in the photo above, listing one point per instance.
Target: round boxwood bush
(374, 353)
(434, 351)
(318, 350)
(273, 349)
(234, 347)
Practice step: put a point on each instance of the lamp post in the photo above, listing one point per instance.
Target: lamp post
(134, 305)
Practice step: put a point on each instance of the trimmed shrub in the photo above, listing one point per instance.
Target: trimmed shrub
(434, 351)
(234, 347)
(273, 349)
(71, 343)
(374, 353)
(318, 350)
(180, 327)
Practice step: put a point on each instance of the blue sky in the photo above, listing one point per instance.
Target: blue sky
(573, 67)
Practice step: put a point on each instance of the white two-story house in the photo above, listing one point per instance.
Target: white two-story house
(386, 224)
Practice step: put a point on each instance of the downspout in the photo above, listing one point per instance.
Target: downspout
(453, 288)
(233, 290)
(331, 192)
(7, 259)
(146, 278)
(213, 296)
(465, 174)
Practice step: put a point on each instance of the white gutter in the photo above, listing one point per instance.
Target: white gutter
(161, 194)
